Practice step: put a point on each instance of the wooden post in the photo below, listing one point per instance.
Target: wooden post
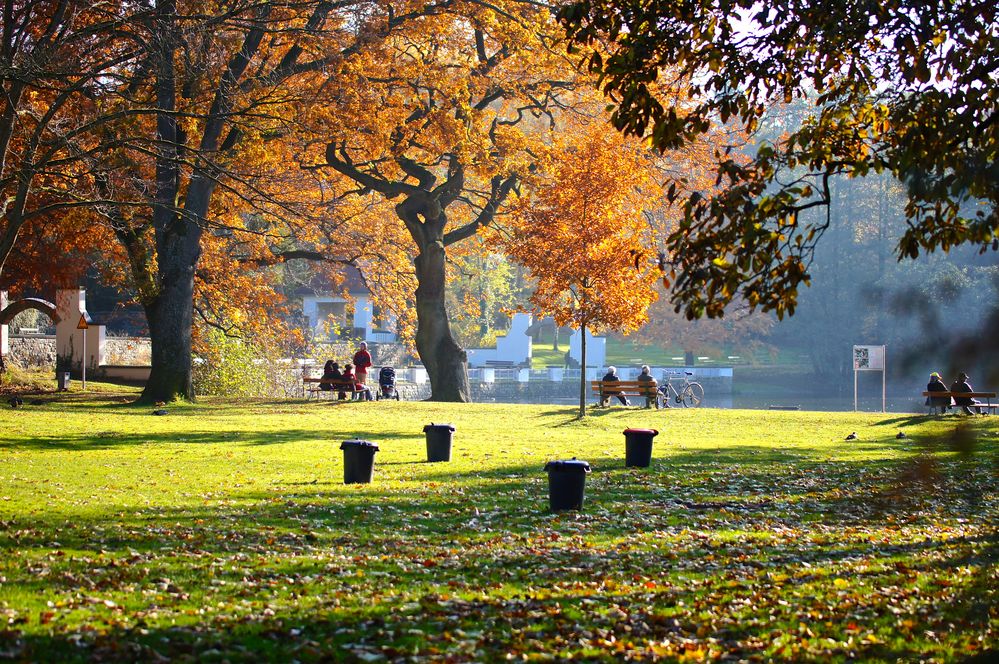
(855, 389)
(582, 369)
(83, 325)
(884, 378)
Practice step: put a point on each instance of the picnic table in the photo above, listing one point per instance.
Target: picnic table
(988, 407)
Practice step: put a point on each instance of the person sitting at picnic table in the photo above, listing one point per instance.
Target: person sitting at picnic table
(962, 385)
(612, 377)
(648, 381)
(936, 385)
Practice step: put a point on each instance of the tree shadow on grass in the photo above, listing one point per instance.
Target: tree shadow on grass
(912, 420)
(528, 592)
(83, 442)
(435, 627)
(676, 490)
(489, 529)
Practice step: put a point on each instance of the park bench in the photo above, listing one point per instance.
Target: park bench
(608, 389)
(986, 408)
(313, 389)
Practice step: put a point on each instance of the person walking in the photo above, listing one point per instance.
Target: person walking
(362, 360)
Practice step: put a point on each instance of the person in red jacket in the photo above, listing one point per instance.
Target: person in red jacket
(362, 360)
(361, 391)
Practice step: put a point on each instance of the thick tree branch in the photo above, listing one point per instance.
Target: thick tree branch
(338, 159)
(501, 187)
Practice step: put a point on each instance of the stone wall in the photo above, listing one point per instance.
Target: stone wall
(32, 352)
(39, 351)
(388, 354)
(128, 351)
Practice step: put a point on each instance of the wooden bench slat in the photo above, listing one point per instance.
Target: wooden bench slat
(629, 388)
(987, 406)
(329, 381)
(336, 385)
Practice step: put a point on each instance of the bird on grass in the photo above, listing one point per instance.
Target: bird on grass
(852, 436)
(160, 412)
(15, 401)
(900, 435)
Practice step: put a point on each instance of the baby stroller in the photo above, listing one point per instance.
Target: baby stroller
(386, 384)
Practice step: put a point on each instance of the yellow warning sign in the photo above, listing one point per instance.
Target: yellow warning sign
(82, 325)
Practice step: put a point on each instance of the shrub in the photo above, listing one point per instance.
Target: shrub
(228, 366)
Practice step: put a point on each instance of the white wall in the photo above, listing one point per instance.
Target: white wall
(71, 304)
(362, 314)
(4, 333)
(363, 317)
(596, 349)
(514, 347)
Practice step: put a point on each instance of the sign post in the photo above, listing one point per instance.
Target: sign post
(870, 358)
(83, 325)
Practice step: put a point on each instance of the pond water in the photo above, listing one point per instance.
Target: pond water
(894, 403)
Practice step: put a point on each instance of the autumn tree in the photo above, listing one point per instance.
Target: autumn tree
(900, 87)
(55, 58)
(582, 235)
(463, 97)
(739, 328)
(200, 158)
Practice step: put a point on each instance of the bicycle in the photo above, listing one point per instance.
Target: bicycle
(690, 394)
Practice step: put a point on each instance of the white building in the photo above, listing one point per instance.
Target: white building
(346, 313)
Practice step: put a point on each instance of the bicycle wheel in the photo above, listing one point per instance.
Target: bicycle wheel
(692, 395)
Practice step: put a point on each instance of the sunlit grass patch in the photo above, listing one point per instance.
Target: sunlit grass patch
(223, 530)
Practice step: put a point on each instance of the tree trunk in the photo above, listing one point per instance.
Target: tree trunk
(170, 321)
(443, 358)
(582, 370)
(3, 305)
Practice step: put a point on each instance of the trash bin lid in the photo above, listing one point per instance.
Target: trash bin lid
(569, 465)
(359, 443)
(653, 432)
(449, 427)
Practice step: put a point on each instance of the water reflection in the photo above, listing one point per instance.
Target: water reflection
(894, 404)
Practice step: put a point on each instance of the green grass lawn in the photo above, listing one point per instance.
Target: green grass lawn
(626, 353)
(223, 532)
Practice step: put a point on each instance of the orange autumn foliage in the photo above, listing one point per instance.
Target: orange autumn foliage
(582, 234)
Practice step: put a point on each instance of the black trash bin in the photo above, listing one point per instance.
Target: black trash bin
(438, 441)
(566, 484)
(638, 447)
(358, 461)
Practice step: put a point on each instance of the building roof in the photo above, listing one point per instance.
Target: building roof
(321, 284)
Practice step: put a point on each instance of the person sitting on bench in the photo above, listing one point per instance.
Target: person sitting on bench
(936, 385)
(962, 385)
(647, 381)
(361, 391)
(612, 377)
(330, 372)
